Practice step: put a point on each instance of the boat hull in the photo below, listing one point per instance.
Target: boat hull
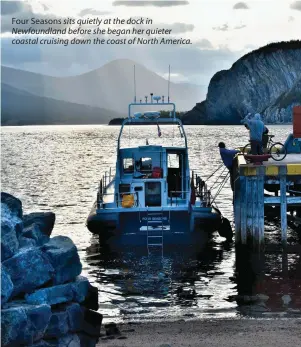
(125, 227)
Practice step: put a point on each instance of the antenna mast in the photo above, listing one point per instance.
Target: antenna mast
(168, 81)
(135, 83)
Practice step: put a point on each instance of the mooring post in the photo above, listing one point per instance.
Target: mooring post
(260, 205)
(255, 221)
(243, 210)
(283, 204)
(237, 207)
(249, 207)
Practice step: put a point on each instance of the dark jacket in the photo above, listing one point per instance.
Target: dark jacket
(228, 156)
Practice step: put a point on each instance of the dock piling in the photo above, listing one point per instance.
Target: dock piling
(283, 205)
(250, 200)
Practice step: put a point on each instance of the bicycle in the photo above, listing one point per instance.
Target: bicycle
(275, 149)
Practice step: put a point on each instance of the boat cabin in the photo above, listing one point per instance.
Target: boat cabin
(155, 175)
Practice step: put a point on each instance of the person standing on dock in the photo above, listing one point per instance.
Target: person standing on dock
(257, 128)
(227, 156)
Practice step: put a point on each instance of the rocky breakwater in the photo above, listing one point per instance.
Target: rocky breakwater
(267, 80)
(44, 300)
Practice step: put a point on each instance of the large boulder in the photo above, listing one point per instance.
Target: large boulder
(43, 220)
(58, 325)
(25, 242)
(91, 323)
(80, 288)
(87, 341)
(51, 295)
(13, 325)
(9, 240)
(7, 286)
(75, 317)
(34, 232)
(69, 340)
(38, 317)
(29, 269)
(91, 300)
(12, 218)
(64, 258)
(73, 291)
(14, 204)
(43, 343)
(23, 324)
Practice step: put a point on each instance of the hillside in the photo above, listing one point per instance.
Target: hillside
(110, 87)
(267, 80)
(22, 108)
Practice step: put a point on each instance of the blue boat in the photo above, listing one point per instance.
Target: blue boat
(153, 198)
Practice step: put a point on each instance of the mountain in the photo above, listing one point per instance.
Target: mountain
(267, 80)
(110, 87)
(22, 108)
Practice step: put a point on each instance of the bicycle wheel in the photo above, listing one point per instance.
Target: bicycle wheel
(278, 151)
(247, 149)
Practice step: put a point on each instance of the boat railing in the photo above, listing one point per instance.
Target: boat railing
(107, 178)
(201, 189)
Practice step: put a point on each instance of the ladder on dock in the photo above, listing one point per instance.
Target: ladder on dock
(155, 228)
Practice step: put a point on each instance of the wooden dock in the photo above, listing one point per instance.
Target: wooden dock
(283, 182)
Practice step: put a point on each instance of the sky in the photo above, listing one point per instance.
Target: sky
(220, 31)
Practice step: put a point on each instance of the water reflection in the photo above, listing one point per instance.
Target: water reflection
(269, 283)
(188, 282)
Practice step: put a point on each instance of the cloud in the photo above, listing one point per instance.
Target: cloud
(11, 7)
(22, 11)
(241, 6)
(150, 3)
(224, 27)
(291, 19)
(296, 5)
(240, 27)
(196, 63)
(91, 11)
(45, 8)
(176, 28)
(204, 43)
(179, 28)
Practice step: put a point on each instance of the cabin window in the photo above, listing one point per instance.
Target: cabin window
(144, 165)
(128, 165)
(173, 161)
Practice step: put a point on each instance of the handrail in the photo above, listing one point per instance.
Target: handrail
(173, 120)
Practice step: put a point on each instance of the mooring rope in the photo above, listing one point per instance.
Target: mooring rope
(214, 172)
(221, 186)
(225, 168)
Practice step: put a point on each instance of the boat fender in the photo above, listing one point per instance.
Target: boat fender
(225, 229)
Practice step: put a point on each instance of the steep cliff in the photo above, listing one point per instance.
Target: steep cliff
(267, 80)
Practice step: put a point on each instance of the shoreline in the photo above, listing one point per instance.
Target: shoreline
(222, 332)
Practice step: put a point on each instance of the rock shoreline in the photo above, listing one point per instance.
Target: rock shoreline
(44, 300)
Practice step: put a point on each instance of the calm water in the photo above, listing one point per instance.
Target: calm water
(58, 168)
